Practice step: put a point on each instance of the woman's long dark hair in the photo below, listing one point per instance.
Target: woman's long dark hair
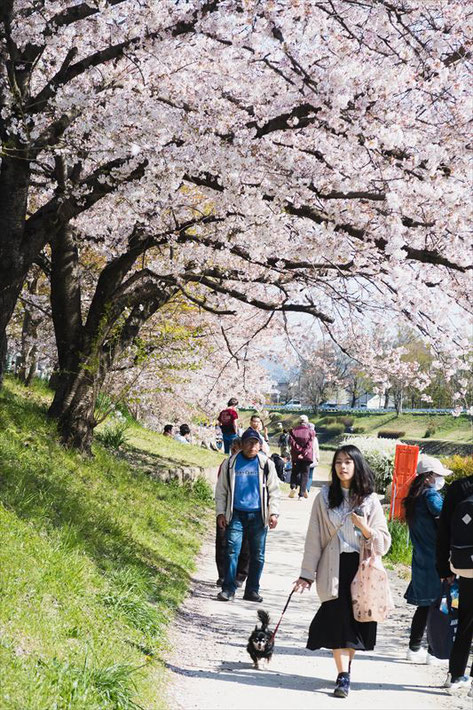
(417, 487)
(362, 483)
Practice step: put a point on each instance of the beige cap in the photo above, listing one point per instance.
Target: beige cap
(427, 464)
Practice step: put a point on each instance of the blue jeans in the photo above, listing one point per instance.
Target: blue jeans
(252, 524)
(309, 480)
(227, 441)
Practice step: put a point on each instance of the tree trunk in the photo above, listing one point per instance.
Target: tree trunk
(14, 184)
(77, 422)
(67, 319)
(398, 402)
(29, 334)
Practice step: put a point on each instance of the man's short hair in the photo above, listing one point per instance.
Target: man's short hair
(184, 429)
(168, 427)
(232, 402)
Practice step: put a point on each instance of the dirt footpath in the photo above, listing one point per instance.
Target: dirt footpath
(211, 670)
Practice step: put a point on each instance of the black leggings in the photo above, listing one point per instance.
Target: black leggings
(419, 622)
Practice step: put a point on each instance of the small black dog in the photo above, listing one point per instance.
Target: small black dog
(260, 643)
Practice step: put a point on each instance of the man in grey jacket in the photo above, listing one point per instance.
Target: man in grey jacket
(247, 500)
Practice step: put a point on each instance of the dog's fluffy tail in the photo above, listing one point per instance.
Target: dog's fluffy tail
(263, 616)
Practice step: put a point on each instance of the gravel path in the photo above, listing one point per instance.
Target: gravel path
(211, 670)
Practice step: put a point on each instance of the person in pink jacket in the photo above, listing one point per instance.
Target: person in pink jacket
(301, 440)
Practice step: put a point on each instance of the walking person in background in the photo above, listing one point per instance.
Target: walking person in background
(315, 458)
(331, 558)
(301, 440)
(256, 423)
(246, 501)
(283, 443)
(422, 506)
(221, 541)
(227, 420)
(455, 557)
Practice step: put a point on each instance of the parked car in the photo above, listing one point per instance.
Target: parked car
(329, 405)
(293, 404)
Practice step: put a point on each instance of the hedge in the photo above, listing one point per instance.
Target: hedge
(390, 434)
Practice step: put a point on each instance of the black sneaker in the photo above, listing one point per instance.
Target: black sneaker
(252, 597)
(342, 685)
(225, 596)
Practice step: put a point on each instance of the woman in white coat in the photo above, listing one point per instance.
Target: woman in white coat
(336, 537)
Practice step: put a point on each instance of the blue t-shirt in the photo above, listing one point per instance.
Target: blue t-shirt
(247, 495)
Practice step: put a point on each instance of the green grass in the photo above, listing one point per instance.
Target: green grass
(95, 559)
(447, 428)
(169, 450)
(400, 551)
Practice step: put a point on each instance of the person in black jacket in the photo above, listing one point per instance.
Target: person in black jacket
(457, 492)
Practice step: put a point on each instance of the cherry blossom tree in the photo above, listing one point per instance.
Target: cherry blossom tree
(306, 157)
(320, 373)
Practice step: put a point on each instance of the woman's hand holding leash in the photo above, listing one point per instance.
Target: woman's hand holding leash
(301, 584)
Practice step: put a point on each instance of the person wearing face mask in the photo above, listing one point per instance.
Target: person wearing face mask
(422, 507)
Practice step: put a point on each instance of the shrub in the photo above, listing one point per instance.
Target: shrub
(115, 434)
(326, 420)
(275, 417)
(346, 421)
(202, 490)
(461, 466)
(390, 434)
(431, 429)
(334, 429)
(358, 429)
(379, 454)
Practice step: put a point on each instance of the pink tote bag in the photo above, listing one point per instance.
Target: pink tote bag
(370, 592)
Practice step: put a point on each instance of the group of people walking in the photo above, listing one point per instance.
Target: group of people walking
(347, 524)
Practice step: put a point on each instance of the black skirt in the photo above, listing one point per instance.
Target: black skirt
(334, 625)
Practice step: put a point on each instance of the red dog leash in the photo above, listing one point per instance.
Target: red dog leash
(283, 612)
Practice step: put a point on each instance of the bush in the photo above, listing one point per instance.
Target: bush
(275, 417)
(326, 420)
(115, 434)
(334, 429)
(461, 466)
(358, 429)
(346, 421)
(202, 490)
(379, 454)
(390, 434)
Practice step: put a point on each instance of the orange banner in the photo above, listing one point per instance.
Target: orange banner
(405, 464)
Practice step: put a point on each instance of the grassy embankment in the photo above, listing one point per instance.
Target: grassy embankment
(94, 558)
(447, 428)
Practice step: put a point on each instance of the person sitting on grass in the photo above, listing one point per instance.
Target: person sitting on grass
(184, 435)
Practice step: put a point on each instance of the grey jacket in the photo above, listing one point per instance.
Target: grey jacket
(268, 486)
(321, 559)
